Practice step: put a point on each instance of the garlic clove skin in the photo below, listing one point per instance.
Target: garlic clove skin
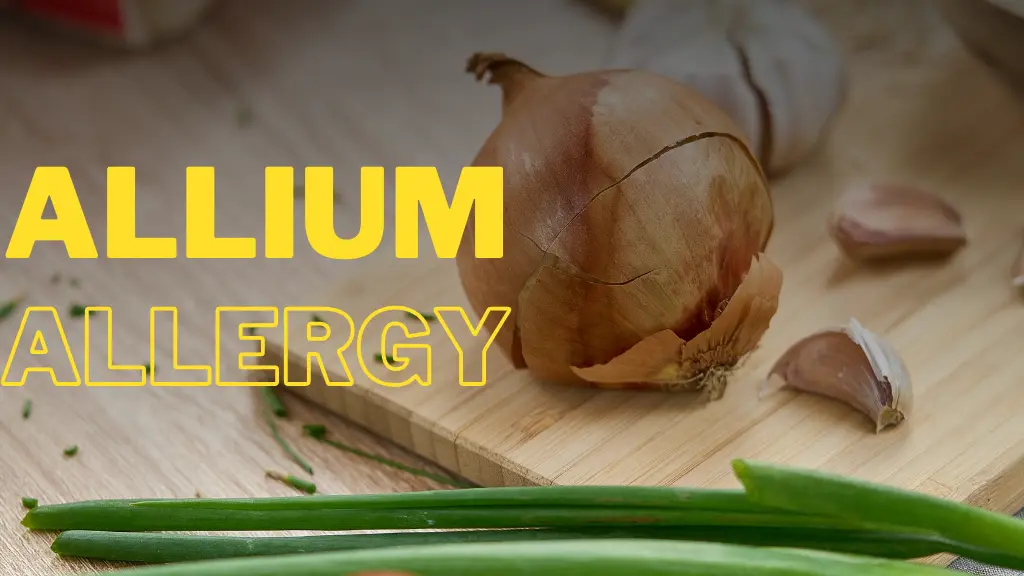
(665, 361)
(886, 221)
(853, 365)
(769, 64)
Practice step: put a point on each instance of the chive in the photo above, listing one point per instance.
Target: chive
(271, 411)
(250, 331)
(77, 310)
(29, 503)
(426, 316)
(71, 450)
(818, 492)
(148, 368)
(55, 279)
(274, 402)
(9, 307)
(319, 432)
(379, 358)
(74, 283)
(157, 548)
(297, 483)
(26, 409)
(605, 557)
(330, 513)
(568, 497)
(316, 318)
(244, 116)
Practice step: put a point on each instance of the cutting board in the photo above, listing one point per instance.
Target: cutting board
(950, 128)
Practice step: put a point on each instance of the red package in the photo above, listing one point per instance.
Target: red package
(131, 23)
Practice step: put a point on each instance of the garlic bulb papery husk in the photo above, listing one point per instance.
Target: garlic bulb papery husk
(635, 221)
(769, 64)
(853, 365)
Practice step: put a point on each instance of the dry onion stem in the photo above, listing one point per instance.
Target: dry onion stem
(635, 218)
(853, 365)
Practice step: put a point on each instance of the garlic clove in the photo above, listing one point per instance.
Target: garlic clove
(665, 361)
(853, 365)
(881, 221)
(769, 64)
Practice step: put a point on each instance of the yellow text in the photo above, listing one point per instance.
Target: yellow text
(418, 190)
(392, 347)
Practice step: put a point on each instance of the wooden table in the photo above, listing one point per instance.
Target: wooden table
(321, 82)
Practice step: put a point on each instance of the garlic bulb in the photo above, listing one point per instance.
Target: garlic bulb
(767, 63)
(853, 365)
(635, 217)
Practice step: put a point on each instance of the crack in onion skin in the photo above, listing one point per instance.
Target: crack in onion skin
(636, 207)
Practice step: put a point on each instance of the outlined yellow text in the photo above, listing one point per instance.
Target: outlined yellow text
(394, 347)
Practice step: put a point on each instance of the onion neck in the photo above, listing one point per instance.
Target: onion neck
(510, 74)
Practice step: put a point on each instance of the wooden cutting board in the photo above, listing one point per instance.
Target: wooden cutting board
(959, 325)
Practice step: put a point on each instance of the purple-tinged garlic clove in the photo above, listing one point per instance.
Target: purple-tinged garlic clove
(885, 221)
(853, 365)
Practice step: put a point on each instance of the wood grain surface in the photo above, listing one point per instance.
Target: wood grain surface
(922, 113)
(355, 83)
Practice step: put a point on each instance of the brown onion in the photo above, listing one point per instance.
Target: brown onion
(635, 221)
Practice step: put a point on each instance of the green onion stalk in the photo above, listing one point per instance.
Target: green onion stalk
(157, 548)
(604, 557)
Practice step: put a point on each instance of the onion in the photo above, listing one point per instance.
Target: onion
(635, 221)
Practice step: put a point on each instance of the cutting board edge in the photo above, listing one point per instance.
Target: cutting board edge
(1003, 492)
(379, 416)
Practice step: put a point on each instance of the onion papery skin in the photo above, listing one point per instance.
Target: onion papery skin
(634, 211)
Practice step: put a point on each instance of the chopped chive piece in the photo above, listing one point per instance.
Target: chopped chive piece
(319, 432)
(273, 401)
(244, 116)
(316, 318)
(268, 400)
(297, 483)
(250, 331)
(55, 279)
(74, 283)
(379, 358)
(77, 310)
(148, 369)
(429, 317)
(71, 450)
(8, 308)
(29, 503)
(26, 409)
